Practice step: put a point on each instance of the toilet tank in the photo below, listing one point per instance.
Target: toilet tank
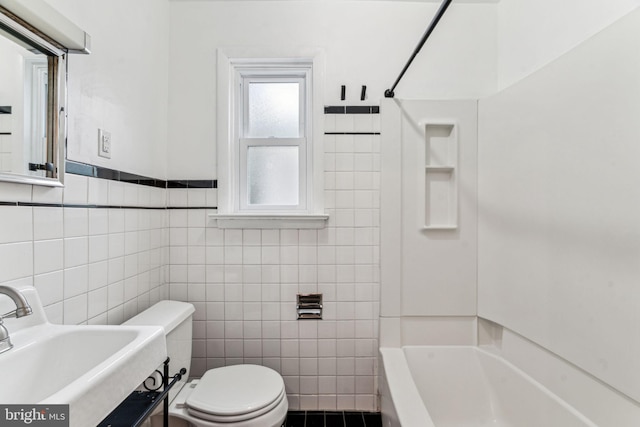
(175, 317)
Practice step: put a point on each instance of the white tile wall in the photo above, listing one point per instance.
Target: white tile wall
(104, 265)
(244, 282)
(70, 253)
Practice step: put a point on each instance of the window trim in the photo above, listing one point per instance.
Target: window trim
(229, 59)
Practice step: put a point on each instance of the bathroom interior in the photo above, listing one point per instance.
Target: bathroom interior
(487, 207)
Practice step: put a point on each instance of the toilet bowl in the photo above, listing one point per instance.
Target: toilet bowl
(230, 396)
(239, 396)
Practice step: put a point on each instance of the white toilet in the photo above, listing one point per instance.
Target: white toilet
(232, 396)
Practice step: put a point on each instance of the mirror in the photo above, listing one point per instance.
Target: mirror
(32, 111)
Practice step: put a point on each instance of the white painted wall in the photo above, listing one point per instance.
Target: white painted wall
(366, 43)
(122, 86)
(100, 265)
(533, 33)
(559, 240)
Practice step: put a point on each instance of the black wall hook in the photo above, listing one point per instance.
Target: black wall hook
(363, 93)
(343, 93)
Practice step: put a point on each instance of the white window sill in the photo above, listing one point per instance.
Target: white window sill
(298, 221)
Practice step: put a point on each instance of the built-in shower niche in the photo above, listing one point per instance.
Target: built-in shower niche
(441, 186)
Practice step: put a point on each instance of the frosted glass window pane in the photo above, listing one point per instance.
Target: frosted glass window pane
(272, 175)
(274, 110)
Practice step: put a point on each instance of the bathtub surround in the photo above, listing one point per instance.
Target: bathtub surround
(559, 236)
(429, 294)
(557, 232)
(532, 34)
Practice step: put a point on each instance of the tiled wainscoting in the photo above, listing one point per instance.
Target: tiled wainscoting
(244, 282)
(97, 250)
(110, 244)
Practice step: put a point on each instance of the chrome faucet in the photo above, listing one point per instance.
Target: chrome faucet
(22, 309)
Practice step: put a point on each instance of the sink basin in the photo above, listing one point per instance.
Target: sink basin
(91, 368)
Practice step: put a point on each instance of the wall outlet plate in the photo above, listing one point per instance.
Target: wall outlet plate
(104, 143)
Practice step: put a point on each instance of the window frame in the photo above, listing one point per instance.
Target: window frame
(228, 215)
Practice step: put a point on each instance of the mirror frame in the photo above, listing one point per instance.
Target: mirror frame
(56, 99)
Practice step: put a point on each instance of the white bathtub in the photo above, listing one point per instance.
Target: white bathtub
(465, 386)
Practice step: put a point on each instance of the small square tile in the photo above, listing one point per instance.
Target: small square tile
(15, 192)
(372, 419)
(354, 419)
(16, 225)
(334, 419)
(327, 402)
(75, 189)
(315, 419)
(47, 194)
(295, 419)
(48, 255)
(344, 123)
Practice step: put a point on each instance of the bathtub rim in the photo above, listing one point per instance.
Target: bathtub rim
(409, 408)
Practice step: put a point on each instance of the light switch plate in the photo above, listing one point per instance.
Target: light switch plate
(104, 143)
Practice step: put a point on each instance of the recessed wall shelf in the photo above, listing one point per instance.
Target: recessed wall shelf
(447, 169)
(441, 183)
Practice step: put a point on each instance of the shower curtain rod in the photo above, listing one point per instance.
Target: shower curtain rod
(441, 10)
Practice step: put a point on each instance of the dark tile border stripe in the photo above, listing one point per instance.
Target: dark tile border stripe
(352, 109)
(84, 169)
(194, 183)
(92, 206)
(5, 133)
(5, 109)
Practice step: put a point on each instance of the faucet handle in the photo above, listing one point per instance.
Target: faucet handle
(5, 340)
(18, 312)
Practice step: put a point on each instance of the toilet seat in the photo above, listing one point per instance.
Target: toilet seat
(234, 394)
(235, 418)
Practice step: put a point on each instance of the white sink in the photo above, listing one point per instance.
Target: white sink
(91, 368)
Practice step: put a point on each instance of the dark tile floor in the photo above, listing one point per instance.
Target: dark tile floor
(333, 419)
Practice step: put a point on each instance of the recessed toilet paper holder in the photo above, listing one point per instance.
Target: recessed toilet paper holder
(309, 306)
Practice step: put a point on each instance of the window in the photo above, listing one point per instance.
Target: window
(270, 151)
(272, 129)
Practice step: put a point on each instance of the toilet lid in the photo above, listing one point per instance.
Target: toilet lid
(236, 390)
